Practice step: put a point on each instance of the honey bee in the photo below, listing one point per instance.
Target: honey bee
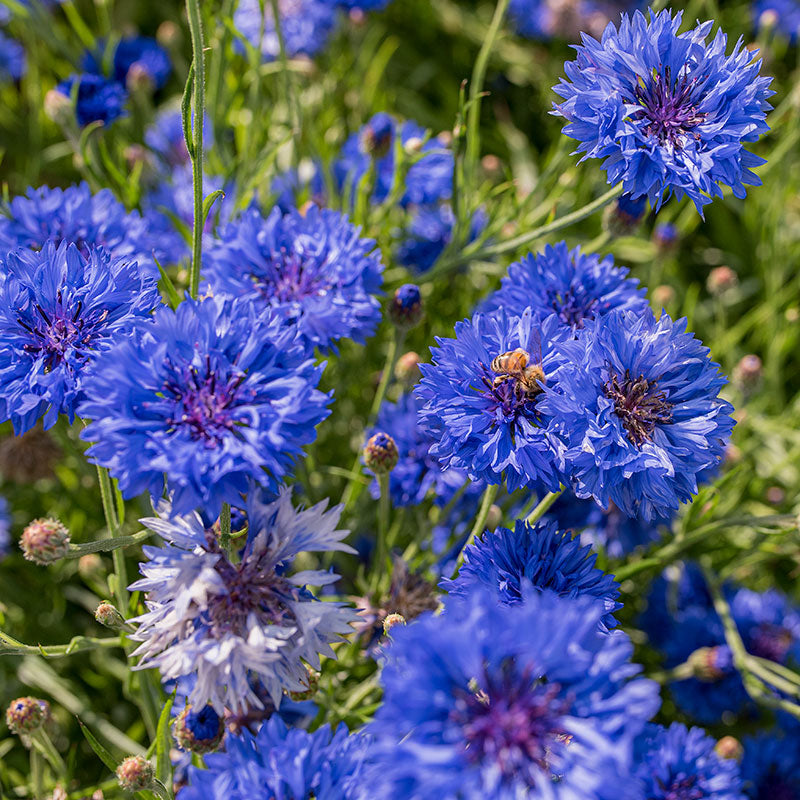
(517, 365)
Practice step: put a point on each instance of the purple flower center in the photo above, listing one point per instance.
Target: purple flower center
(574, 306)
(61, 332)
(770, 641)
(289, 276)
(683, 788)
(638, 403)
(670, 109)
(204, 401)
(514, 723)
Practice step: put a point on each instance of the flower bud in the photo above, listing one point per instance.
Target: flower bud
(139, 79)
(108, 615)
(413, 145)
(406, 370)
(494, 517)
(376, 138)
(491, 164)
(747, 373)
(721, 280)
(45, 541)
(665, 237)
(168, 34)
(729, 747)
(710, 664)
(199, 731)
(27, 714)
(380, 454)
(406, 309)
(663, 295)
(624, 215)
(312, 683)
(136, 774)
(58, 107)
(90, 565)
(391, 621)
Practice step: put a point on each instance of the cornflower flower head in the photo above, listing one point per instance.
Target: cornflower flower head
(87, 220)
(59, 312)
(668, 112)
(141, 54)
(507, 562)
(639, 412)
(97, 99)
(204, 401)
(545, 19)
(235, 623)
(282, 762)
(429, 179)
(679, 763)
(473, 708)
(481, 399)
(574, 286)
(12, 59)
(314, 271)
(306, 26)
(417, 472)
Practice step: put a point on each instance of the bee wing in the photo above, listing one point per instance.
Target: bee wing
(535, 346)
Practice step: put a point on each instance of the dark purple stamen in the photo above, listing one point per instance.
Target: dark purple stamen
(506, 396)
(770, 641)
(683, 787)
(639, 404)
(670, 108)
(289, 276)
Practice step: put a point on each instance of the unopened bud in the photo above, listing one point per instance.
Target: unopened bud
(406, 309)
(491, 164)
(312, 684)
(663, 295)
(710, 664)
(139, 79)
(89, 565)
(392, 621)
(45, 541)
(136, 774)
(406, 370)
(721, 280)
(108, 615)
(58, 107)
(376, 138)
(168, 34)
(729, 747)
(747, 373)
(413, 145)
(199, 731)
(768, 19)
(494, 517)
(775, 495)
(623, 216)
(665, 237)
(380, 454)
(27, 714)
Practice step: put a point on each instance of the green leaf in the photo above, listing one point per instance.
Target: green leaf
(169, 287)
(98, 748)
(209, 201)
(163, 761)
(186, 111)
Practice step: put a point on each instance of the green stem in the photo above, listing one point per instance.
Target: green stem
(37, 774)
(120, 568)
(479, 253)
(489, 496)
(544, 506)
(108, 545)
(225, 528)
(196, 30)
(42, 742)
(473, 144)
(288, 80)
(384, 511)
(79, 644)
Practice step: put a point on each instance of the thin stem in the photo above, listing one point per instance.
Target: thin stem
(288, 80)
(42, 742)
(384, 511)
(120, 569)
(476, 91)
(196, 30)
(225, 527)
(108, 545)
(544, 506)
(489, 496)
(478, 253)
(79, 644)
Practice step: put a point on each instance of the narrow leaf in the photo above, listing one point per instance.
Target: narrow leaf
(98, 748)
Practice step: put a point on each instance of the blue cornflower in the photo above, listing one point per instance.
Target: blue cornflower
(417, 472)
(98, 100)
(230, 623)
(165, 137)
(543, 19)
(206, 399)
(5, 528)
(429, 232)
(679, 763)
(573, 285)
(87, 220)
(785, 13)
(59, 312)
(638, 409)
(668, 113)
(139, 53)
(306, 26)
(313, 270)
(305, 183)
(498, 701)
(12, 59)
(428, 180)
(541, 556)
(616, 533)
(771, 767)
(283, 763)
(481, 399)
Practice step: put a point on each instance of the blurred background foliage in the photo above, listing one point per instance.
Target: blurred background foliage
(409, 60)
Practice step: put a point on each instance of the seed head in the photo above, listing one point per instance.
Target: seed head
(45, 541)
(27, 714)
